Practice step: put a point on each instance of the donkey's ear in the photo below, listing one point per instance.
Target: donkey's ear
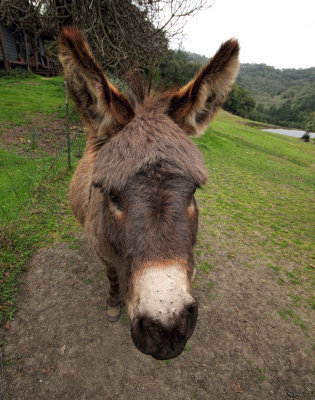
(103, 107)
(193, 106)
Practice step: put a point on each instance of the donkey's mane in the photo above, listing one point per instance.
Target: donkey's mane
(139, 89)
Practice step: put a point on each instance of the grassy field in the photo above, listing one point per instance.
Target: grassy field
(33, 180)
(258, 198)
(21, 99)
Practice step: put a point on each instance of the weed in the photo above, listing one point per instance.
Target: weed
(312, 302)
(205, 267)
(211, 285)
(74, 246)
(275, 268)
(288, 312)
(100, 276)
(261, 376)
(123, 318)
(281, 281)
(296, 300)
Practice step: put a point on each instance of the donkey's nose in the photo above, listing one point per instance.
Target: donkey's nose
(164, 342)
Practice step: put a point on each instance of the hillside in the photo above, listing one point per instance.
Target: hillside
(271, 86)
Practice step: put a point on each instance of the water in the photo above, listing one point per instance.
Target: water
(289, 132)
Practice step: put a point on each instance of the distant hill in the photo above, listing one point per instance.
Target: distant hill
(196, 58)
(271, 86)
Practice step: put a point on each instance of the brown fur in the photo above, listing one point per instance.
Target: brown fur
(103, 107)
(195, 105)
(133, 189)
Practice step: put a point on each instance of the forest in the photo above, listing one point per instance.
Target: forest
(283, 97)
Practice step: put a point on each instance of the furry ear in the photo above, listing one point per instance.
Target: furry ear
(194, 106)
(104, 109)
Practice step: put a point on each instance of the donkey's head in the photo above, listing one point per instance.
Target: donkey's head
(141, 215)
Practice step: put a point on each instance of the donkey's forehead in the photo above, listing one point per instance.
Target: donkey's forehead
(148, 141)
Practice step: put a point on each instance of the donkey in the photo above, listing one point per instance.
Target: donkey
(133, 190)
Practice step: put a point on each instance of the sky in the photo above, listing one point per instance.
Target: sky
(280, 33)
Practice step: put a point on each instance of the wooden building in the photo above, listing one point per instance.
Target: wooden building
(24, 50)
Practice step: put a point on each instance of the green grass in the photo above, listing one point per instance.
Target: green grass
(33, 188)
(21, 99)
(260, 184)
(288, 312)
(18, 177)
(30, 231)
(261, 376)
(259, 200)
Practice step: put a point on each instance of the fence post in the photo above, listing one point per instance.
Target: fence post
(67, 124)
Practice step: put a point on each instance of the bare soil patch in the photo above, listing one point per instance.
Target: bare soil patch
(61, 346)
(43, 133)
(253, 124)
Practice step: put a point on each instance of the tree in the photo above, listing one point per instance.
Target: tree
(123, 34)
(177, 70)
(240, 102)
(310, 124)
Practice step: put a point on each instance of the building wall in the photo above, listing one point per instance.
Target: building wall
(9, 43)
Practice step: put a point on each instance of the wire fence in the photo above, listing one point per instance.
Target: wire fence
(24, 176)
(34, 162)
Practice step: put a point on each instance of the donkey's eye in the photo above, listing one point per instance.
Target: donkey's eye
(191, 196)
(115, 200)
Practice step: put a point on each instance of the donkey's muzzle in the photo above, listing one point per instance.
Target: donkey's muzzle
(164, 342)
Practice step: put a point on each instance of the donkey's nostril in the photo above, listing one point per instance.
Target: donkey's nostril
(192, 314)
(141, 328)
(191, 309)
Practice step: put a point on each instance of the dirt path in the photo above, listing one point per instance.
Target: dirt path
(60, 345)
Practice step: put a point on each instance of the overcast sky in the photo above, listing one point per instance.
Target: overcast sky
(280, 33)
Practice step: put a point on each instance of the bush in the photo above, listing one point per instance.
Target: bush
(17, 73)
(240, 102)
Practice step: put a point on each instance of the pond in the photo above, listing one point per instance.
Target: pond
(289, 132)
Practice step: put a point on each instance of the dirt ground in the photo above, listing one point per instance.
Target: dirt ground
(44, 133)
(61, 346)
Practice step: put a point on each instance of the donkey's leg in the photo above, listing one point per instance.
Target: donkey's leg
(113, 300)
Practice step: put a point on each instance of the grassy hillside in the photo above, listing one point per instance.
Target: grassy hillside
(257, 203)
(261, 183)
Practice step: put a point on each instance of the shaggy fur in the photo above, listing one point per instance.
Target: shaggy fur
(133, 190)
(195, 105)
